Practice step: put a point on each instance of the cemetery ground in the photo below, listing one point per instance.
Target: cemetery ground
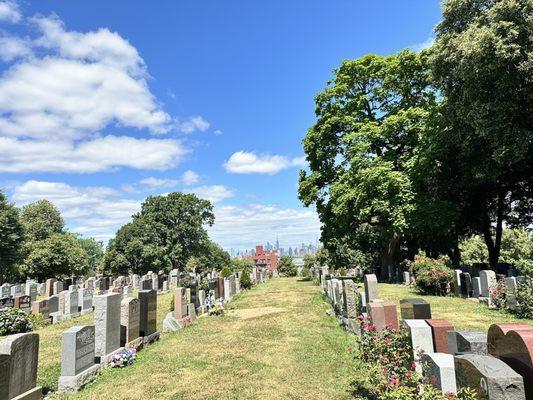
(275, 341)
(463, 314)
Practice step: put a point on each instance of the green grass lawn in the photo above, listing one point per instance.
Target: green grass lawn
(50, 343)
(462, 313)
(275, 341)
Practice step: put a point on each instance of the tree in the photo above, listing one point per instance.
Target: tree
(213, 256)
(286, 266)
(163, 235)
(362, 149)
(481, 63)
(41, 220)
(57, 256)
(245, 265)
(11, 239)
(473, 250)
(94, 250)
(309, 261)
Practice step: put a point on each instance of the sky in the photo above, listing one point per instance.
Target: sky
(103, 103)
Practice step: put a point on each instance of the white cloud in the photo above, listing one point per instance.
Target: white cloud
(99, 154)
(214, 193)
(243, 162)
(252, 224)
(218, 132)
(9, 11)
(12, 47)
(193, 124)
(92, 211)
(189, 178)
(158, 183)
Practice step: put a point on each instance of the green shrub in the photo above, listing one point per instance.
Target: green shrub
(342, 271)
(524, 296)
(13, 320)
(432, 276)
(245, 281)
(286, 266)
(171, 307)
(226, 272)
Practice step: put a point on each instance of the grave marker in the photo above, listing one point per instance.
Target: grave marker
(129, 323)
(371, 287)
(439, 368)
(415, 309)
(107, 325)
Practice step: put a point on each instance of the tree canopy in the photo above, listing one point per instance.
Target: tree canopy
(11, 238)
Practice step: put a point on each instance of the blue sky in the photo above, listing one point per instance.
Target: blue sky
(104, 103)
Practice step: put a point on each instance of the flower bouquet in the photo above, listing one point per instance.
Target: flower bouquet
(217, 309)
(123, 358)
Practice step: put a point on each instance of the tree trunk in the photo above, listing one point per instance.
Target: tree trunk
(388, 270)
(494, 245)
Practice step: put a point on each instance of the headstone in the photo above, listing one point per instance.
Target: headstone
(476, 287)
(361, 302)
(40, 307)
(421, 338)
(487, 281)
(129, 322)
(77, 359)
(406, 278)
(513, 344)
(220, 288)
(191, 311)
(18, 367)
(15, 290)
(457, 282)
(201, 299)
(85, 300)
(194, 293)
(227, 293)
(107, 325)
(180, 303)
(58, 287)
(490, 377)
(371, 287)
(23, 303)
(232, 285)
(350, 300)
(31, 290)
(465, 342)
(155, 283)
(147, 312)
(510, 292)
(53, 304)
(415, 309)
(71, 302)
(439, 333)
(136, 281)
(90, 284)
(146, 284)
(439, 370)
(383, 314)
(6, 290)
(466, 285)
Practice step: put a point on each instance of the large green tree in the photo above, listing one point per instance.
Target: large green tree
(57, 256)
(11, 239)
(362, 152)
(41, 220)
(482, 62)
(95, 252)
(163, 235)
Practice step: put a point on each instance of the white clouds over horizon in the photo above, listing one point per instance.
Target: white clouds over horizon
(244, 162)
(100, 211)
(63, 88)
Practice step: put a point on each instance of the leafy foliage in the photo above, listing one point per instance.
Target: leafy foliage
(245, 281)
(11, 239)
(432, 276)
(226, 272)
(286, 266)
(41, 220)
(95, 252)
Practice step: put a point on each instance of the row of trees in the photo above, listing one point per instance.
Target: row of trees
(34, 242)
(417, 151)
(169, 232)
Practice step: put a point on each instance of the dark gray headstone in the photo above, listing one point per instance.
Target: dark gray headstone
(148, 312)
(415, 309)
(77, 351)
(465, 342)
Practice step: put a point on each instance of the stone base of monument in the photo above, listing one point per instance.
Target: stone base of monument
(71, 384)
(33, 394)
(107, 358)
(134, 344)
(146, 340)
(171, 324)
(86, 311)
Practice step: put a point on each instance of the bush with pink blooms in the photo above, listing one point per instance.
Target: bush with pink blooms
(388, 355)
(432, 276)
(123, 358)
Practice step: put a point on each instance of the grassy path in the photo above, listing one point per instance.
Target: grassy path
(274, 342)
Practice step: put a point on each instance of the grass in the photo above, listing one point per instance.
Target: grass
(50, 344)
(275, 341)
(462, 313)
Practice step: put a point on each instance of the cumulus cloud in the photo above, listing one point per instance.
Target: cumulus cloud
(193, 124)
(64, 87)
(214, 193)
(158, 182)
(9, 11)
(243, 162)
(248, 225)
(92, 211)
(190, 178)
(426, 44)
(99, 154)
